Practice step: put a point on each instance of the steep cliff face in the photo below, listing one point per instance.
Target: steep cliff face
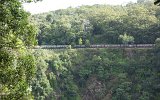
(99, 74)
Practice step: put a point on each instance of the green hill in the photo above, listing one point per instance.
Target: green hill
(99, 24)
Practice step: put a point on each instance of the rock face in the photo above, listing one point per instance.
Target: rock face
(95, 89)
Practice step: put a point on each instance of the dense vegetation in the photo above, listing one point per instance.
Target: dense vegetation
(100, 24)
(97, 74)
(17, 64)
(82, 74)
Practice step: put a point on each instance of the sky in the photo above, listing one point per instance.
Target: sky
(51, 5)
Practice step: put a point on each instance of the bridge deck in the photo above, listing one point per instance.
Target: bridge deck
(95, 46)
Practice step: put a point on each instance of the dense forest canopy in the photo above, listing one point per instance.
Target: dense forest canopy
(80, 74)
(98, 74)
(100, 24)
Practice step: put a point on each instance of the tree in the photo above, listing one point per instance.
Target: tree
(49, 18)
(101, 24)
(17, 65)
(126, 38)
(87, 43)
(157, 43)
(41, 88)
(80, 41)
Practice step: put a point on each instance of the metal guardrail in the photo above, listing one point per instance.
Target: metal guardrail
(95, 46)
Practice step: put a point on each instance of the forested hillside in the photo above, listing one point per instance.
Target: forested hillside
(84, 73)
(97, 74)
(100, 24)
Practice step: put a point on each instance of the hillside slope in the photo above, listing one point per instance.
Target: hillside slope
(99, 24)
(96, 74)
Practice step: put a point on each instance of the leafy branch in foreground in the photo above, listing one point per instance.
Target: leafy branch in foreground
(157, 2)
(17, 65)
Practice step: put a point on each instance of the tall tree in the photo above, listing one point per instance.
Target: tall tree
(16, 63)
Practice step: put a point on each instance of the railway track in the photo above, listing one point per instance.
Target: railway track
(95, 46)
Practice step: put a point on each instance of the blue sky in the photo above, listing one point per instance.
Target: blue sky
(50, 5)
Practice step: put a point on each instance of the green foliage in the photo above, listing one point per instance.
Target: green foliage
(17, 71)
(49, 18)
(126, 39)
(40, 85)
(87, 43)
(80, 42)
(15, 26)
(100, 24)
(101, 74)
(17, 65)
(98, 73)
(157, 43)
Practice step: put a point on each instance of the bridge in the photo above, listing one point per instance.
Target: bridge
(95, 46)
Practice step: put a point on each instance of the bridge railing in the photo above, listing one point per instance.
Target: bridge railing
(96, 46)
